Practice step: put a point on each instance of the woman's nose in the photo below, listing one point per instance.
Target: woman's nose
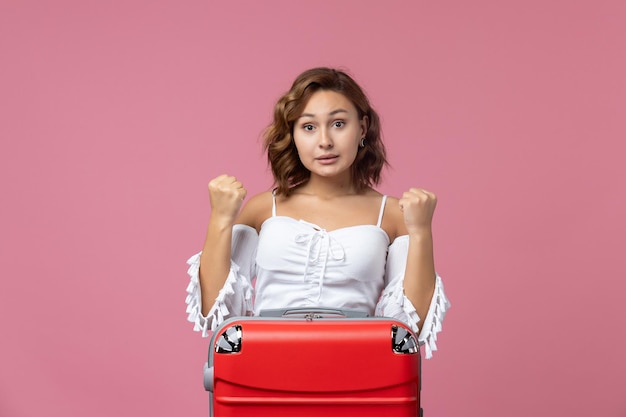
(325, 139)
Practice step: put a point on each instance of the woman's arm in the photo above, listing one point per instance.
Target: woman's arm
(226, 195)
(417, 207)
(419, 276)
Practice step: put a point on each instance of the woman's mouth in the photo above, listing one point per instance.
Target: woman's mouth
(326, 159)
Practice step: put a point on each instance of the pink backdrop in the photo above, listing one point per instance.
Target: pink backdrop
(114, 116)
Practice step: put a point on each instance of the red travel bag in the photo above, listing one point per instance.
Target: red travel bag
(313, 363)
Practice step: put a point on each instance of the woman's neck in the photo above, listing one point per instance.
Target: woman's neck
(326, 188)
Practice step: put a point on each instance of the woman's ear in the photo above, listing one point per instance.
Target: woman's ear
(365, 122)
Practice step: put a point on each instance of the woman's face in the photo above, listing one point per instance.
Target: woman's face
(327, 134)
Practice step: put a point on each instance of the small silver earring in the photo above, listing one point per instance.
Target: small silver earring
(362, 143)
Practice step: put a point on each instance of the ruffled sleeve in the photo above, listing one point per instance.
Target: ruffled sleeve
(235, 297)
(393, 303)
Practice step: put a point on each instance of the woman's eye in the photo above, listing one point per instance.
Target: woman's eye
(339, 123)
(308, 127)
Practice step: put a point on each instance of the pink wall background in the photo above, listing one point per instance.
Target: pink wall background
(114, 116)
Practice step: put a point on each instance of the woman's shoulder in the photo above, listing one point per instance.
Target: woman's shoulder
(393, 218)
(256, 210)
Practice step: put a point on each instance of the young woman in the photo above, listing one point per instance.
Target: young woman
(323, 236)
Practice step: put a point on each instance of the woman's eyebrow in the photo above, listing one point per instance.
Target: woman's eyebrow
(332, 113)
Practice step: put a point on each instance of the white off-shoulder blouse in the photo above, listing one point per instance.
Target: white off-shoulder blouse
(293, 263)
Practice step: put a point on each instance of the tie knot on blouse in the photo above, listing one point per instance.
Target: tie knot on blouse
(321, 246)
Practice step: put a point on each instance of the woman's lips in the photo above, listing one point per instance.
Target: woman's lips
(326, 159)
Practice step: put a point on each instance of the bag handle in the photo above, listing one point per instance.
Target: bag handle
(310, 313)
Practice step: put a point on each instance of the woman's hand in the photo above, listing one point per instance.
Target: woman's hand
(418, 206)
(226, 194)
